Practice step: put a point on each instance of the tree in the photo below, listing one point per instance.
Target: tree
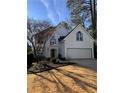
(75, 9)
(41, 39)
(34, 27)
(66, 25)
(83, 10)
(29, 50)
(93, 13)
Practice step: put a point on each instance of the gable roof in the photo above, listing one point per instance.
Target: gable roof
(73, 30)
(47, 32)
(63, 37)
(44, 34)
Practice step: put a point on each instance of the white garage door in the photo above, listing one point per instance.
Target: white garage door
(79, 53)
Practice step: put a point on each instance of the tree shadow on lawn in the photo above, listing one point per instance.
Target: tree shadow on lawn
(59, 82)
(78, 81)
(63, 88)
(65, 72)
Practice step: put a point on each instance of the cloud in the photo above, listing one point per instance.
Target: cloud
(56, 10)
(45, 2)
(51, 10)
(61, 9)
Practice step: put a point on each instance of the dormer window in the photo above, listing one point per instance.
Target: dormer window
(52, 41)
(79, 36)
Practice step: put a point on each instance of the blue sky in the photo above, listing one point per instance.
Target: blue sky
(54, 11)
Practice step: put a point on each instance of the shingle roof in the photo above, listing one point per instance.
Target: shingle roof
(44, 34)
(72, 30)
(62, 37)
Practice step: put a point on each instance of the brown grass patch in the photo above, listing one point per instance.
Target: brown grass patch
(67, 79)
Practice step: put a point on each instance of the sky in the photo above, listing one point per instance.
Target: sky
(54, 11)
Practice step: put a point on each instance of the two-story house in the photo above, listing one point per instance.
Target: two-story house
(70, 44)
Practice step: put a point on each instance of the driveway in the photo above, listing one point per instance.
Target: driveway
(88, 63)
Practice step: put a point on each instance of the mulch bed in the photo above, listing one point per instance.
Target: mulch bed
(45, 66)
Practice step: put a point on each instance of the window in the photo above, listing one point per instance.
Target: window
(52, 41)
(79, 36)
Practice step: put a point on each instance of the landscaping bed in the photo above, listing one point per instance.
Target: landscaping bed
(44, 66)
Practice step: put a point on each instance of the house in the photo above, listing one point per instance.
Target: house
(74, 44)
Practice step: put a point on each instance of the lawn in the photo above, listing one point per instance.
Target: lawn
(66, 79)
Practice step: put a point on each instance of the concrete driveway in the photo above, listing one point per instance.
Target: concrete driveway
(88, 63)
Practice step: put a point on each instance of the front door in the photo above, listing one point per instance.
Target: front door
(53, 52)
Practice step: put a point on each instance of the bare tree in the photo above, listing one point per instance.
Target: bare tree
(34, 27)
(41, 38)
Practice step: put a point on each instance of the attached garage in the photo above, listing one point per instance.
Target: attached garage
(78, 53)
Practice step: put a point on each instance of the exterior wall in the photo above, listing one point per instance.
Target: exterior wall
(48, 51)
(71, 42)
(62, 49)
(60, 31)
(48, 47)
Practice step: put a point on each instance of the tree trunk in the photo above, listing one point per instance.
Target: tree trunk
(35, 54)
(95, 16)
(34, 50)
(91, 7)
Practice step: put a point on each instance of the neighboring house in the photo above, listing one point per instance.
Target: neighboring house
(74, 44)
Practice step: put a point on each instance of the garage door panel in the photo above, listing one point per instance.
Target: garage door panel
(79, 53)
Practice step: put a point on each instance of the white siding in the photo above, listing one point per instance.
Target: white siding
(62, 49)
(49, 47)
(60, 31)
(71, 42)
